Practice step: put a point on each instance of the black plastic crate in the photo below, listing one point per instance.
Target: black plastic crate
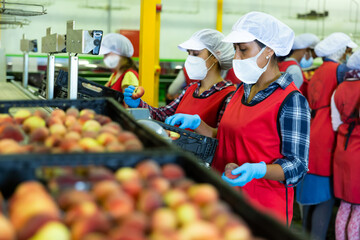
(201, 146)
(261, 225)
(105, 106)
(86, 89)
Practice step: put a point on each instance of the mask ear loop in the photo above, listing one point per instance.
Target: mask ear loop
(211, 65)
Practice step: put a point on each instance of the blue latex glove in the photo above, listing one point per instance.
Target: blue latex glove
(133, 103)
(184, 120)
(247, 171)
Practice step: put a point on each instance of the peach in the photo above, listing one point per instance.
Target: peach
(91, 113)
(125, 136)
(102, 189)
(28, 187)
(72, 197)
(39, 134)
(76, 127)
(11, 131)
(53, 141)
(81, 228)
(183, 184)
(79, 211)
(53, 120)
(41, 113)
(6, 229)
(126, 174)
(200, 230)
(134, 145)
(95, 236)
(211, 210)
(136, 220)
(119, 205)
(228, 168)
(165, 235)
(102, 119)
(70, 120)
(163, 219)
(83, 119)
(70, 146)
(106, 139)
(203, 193)
(121, 233)
(115, 147)
(89, 144)
(132, 187)
(72, 136)
(1, 202)
(50, 230)
(21, 115)
(148, 201)
(6, 118)
(91, 126)
(58, 113)
(172, 172)
(33, 225)
(89, 134)
(239, 232)
(159, 184)
(148, 169)
(10, 146)
(112, 127)
(188, 213)
(72, 112)
(57, 129)
(175, 197)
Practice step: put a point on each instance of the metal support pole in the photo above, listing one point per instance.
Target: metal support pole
(73, 76)
(26, 70)
(219, 15)
(50, 76)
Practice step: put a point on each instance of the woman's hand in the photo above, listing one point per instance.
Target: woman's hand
(247, 172)
(128, 92)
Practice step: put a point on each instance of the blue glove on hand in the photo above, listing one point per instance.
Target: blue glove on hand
(133, 103)
(247, 171)
(184, 120)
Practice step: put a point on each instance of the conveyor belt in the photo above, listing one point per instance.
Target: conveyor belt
(8, 91)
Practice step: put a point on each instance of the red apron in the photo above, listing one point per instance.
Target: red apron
(207, 108)
(347, 161)
(322, 136)
(249, 133)
(117, 85)
(285, 64)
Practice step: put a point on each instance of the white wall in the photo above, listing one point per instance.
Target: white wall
(181, 18)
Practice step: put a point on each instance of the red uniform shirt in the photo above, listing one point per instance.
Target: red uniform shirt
(117, 85)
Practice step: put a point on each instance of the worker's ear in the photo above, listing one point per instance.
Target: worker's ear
(269, 52)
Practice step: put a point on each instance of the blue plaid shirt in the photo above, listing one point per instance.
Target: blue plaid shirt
(294, 121)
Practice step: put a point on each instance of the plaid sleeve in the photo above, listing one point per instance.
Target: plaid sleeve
(294, 123)
(222, 110)
(162, 113)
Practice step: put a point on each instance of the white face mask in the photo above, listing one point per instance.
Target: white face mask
(247, 70)
(196, 67)
(112, 61)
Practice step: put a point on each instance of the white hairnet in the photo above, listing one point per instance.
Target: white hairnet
(266, 29)
(337, 55)
(332, 44)
(354, 60)
(116, 43)
(305, 40)
(212, 41)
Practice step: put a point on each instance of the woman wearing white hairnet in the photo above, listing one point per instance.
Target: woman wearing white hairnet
(208, 55)
(345, 110)
(315, 192)
(118, 51)
(300, 57)
(266, 123)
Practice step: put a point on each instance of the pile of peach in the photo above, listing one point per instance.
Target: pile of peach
(63, 132)
(144, 202)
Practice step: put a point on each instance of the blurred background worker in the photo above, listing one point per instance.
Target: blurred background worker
(254, 131)
(118, 50)
(300, 57)
(208, 55)
(345, 110)
(343, 68)
(315, 192)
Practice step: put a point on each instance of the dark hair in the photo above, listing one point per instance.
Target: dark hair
(261, 45)
(129, 64)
